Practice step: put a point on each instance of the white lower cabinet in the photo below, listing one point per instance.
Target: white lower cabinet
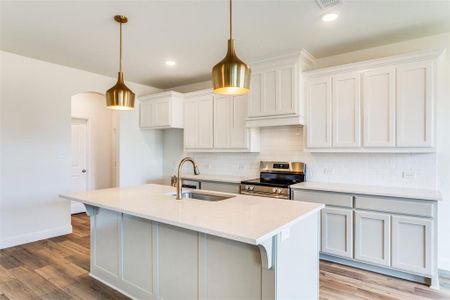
(337, 231)
(373, 237)
(224, 187)
(412, 244)
(390, 235)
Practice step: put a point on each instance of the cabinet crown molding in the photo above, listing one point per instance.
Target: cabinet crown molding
(166, 94)
(377, 62)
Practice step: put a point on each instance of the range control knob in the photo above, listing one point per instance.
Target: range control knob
(247, 187)
(274, 190)
(252, 188)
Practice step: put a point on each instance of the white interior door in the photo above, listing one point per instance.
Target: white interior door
(79, 161)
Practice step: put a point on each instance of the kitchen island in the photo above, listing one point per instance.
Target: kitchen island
(148, 245)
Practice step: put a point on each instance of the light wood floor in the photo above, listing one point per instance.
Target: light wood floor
(58, 269)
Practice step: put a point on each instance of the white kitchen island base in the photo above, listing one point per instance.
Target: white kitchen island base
(145, 259)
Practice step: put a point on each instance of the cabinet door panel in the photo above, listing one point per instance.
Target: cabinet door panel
(190, 124)
(286, 102)
(346, 110)
(205, 122)
(270, 92)
(223, 113)
(337, 237)
(373, 237)
(318, 103)
(414, 105)
(379, 108)
(239, 134)
(107, 242)
(161, 111)
(256, 95)
(412, 244)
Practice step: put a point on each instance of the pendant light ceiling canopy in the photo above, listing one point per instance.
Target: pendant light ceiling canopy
(120, 97)
(231, 76)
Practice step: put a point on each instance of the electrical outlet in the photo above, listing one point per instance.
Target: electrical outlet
(241, 167)
(409, 174)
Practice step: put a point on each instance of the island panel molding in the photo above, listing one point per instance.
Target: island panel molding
(148, 245)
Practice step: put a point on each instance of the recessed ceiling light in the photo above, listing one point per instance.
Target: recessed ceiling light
(330, 17)
(170, 63)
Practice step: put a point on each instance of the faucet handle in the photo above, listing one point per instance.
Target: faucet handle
(196, 170)
(173, 180)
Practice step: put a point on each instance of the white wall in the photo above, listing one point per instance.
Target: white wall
(35, 144)
(140, 152)
(285, 143)
(91, 107)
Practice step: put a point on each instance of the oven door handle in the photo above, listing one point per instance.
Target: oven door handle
(265, 195)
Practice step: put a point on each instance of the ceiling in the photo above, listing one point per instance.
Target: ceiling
(83, 35)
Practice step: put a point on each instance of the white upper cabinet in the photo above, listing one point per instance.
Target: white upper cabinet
(346, 110)
(198, 121)
(274, 97)
(383, 105)
(415, 105)
(216, 123)
(318, 105)
(223, 118)
(379, 107)
(229, 124)
(162, 110)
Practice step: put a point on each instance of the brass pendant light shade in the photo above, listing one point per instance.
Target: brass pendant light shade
(120, 97)
(231, 76)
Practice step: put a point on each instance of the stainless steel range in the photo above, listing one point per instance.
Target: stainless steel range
(274, 179)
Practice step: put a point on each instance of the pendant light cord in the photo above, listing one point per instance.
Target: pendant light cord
(120, 65)
(231, 20)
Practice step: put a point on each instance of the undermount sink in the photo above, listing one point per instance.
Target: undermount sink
(204, 196)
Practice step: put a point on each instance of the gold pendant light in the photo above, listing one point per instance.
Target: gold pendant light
(231, 76)
(120, 97)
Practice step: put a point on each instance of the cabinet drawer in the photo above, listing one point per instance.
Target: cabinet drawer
(335, 199)
(407, 207)
(223, 187)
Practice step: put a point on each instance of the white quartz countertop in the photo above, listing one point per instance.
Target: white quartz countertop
(216, 178)
(397, 192)
(247, 219)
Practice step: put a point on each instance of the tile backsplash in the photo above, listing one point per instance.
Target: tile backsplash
(285, 143)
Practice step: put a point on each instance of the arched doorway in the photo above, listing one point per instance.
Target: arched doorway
(94, 145)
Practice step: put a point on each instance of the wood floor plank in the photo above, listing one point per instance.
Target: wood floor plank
(14, 289)
(58, 269)
(36, 283)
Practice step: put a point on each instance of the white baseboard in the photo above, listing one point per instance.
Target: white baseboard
(35, 236)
